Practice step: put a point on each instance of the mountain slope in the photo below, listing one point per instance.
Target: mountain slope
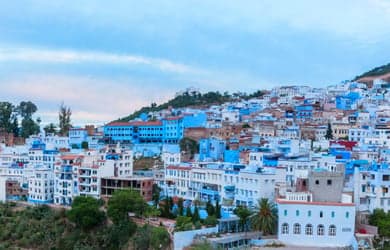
(192, 99)
(381, 72)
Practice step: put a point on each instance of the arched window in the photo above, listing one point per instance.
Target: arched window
(285, 228)
(320, 230)
(332, 230)
(309, 229)
(297, 228)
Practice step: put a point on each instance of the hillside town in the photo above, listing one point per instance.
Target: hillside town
(319, 156)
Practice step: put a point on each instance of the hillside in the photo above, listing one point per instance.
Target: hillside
(193, 99)
(382, 72)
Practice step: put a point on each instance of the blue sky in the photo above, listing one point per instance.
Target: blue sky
(108, 58)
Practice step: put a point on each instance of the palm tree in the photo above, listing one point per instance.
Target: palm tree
(243, 213)
(266, 217)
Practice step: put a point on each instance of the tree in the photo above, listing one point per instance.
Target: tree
(6, 110)
(152, 211)
(86, 212)
(15, 126)
(218, 210)
(64, 115)
(195, 216)
(26, 109)
(188, 212)
(156, 190)
(189, 146)
(117, 235)
(201, 246)
(142, 238)
(159, 238)
(180, 207)
(51, 128)
(29, 127)
(265, 219)
(210, 208)
(183, 223)
(243, 213)
(124, 201)
(84, 145)
(211, 221)
(329, 133)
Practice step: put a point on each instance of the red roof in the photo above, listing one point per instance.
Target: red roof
(347, 144)
(118, 124)
(70, 157)
(173, 118)
(149, 123)
(135, 123)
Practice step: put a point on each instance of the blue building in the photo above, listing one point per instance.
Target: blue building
(167, 130)
(304, 112)
(194, 120)
(211, 149)
(77, 136)
(232, 156)
(347, 102)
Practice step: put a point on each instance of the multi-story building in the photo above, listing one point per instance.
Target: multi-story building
(66, 178)
(143, 185)
(371, 189)
(231, 184)
(167, 130)
(41, 186)
(322, 216)
(90, 172)
(77, 136)
(39, 156)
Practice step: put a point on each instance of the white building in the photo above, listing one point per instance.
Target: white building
(231, 116)
(325, 224)
(232, 186)
(41, 186)
(90, 173)
(66, 181)
(371, 189)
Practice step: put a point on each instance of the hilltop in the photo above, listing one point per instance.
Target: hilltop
(381, 72)
(192, 99)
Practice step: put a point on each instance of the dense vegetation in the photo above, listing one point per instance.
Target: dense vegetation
(188, 99)
(85, 226)
(378, 71)
(381, 219)
(18, 119)
(10, 113)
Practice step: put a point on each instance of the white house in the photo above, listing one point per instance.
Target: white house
(41, 186)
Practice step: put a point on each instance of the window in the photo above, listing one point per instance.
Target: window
(285, 212)
(329, 182)
(320, 230)
(309, 229)
(332, 230)
(321, 214)
(317, 182)
(285, 228)
(333, 214)
(297, 228)
(297, 212)
(347, 215)
(309, 213)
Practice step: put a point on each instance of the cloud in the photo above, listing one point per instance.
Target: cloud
(91, 100)
(74, 56)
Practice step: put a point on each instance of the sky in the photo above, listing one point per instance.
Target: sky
(106, 59)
